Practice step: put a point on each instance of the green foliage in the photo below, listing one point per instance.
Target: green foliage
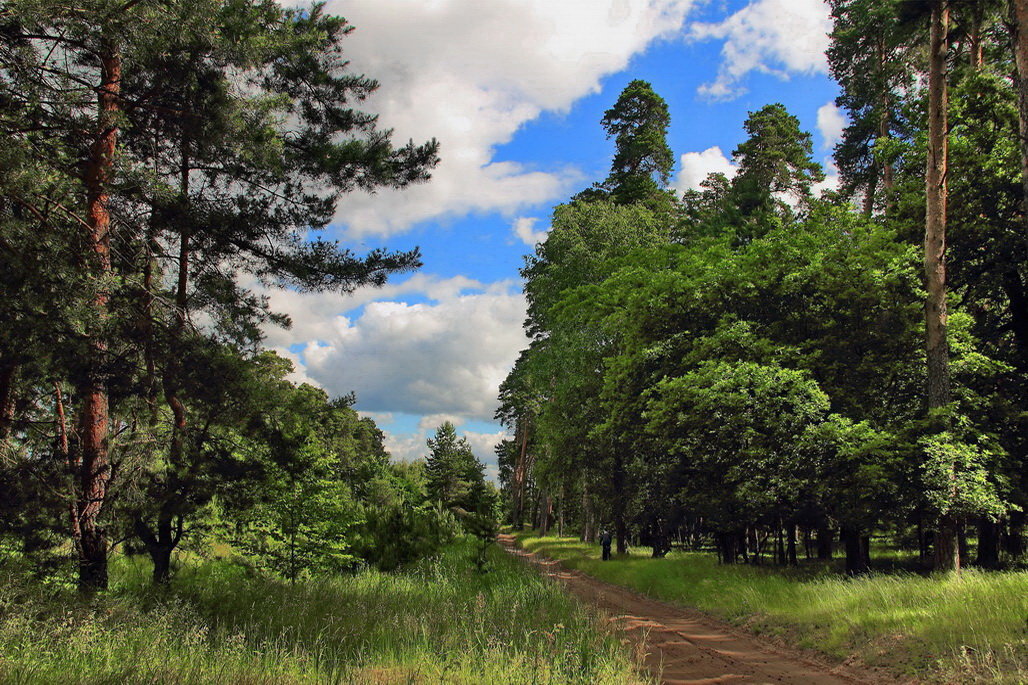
(642, 164)
(736, 431)
(399, 534)
(775, 158)
(752, 362)
(324, 497)
(455, 482)
(303, 527)
(870, 56)
(957, 476)
(455, 479)
(234, 129)
(858, 472)
(584, 239)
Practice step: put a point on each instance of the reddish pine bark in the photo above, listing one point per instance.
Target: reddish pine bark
(94, 469)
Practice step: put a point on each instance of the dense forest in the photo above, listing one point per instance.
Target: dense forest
(803, 388)
(768, 368)
(162, 166)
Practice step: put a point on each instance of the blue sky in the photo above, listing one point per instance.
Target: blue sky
(514, 90)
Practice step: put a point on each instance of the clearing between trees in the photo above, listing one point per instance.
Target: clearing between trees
(680, 645)
(892, 627)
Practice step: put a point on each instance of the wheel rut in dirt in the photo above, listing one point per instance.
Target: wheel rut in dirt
(680, 645)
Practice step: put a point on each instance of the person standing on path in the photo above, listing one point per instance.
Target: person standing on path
(605, 539)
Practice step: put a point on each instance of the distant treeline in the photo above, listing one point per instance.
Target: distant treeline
(758, 365)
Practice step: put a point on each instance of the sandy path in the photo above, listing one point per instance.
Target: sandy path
(687, 646)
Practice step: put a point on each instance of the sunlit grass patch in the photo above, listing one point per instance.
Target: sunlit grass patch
(436, 622)
(970, 627)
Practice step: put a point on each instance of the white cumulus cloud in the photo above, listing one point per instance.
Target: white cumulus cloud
(696, 166)
(406, 446)
(831, 122)
(780, 37)
(443, 359)
(471, 73)
(524, 229)
(316, 316)
(484, 447)
(379, 416)
(433, 421)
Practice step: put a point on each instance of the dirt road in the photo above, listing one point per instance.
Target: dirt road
(684, 646)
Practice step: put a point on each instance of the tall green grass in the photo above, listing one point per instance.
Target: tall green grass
(436, 622)
(974, 627)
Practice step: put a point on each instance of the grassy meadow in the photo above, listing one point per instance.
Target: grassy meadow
(436, 622)
(939, 628)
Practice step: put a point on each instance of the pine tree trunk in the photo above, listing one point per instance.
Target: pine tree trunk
(988, 544)
(62, 449)
(825, 537)
(924, 542)
(586, 515)
(620, 525)
(884, 131)
(728, 550)
(791, 545)
(975, 42)
(1019, 38)
(1013, 543)
(172, 380)
(621, 530)
(935, 221)
(94, 465)
(947, 552)
(947, 546)
(869, 195)
(661, 539)
(545, 508)
(161, 558)
(560, 513)
(8, 373)
(856, 553)
(1013, 286)
(520, 476)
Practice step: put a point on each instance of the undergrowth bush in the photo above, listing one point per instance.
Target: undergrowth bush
(396, 535)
